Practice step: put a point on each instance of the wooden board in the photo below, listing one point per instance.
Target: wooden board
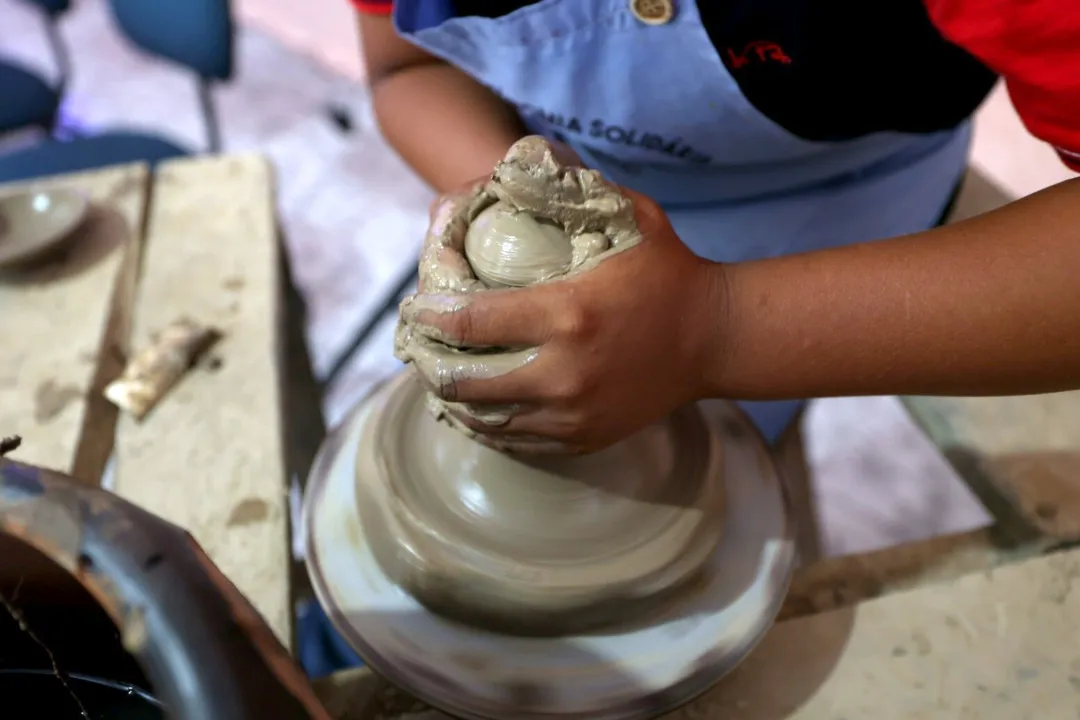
(1020, 455)
(995, 645)
(210, 457)
(60, 344)
(847, 580)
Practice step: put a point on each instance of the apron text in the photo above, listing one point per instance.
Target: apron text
(617, 135)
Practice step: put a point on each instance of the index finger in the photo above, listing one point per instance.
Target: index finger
(517, 317)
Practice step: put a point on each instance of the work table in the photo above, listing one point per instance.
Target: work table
(195, 238)
(975, 625)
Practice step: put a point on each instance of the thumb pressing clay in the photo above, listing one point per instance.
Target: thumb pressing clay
(535, 221)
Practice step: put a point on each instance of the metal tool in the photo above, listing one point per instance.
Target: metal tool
(206, 652)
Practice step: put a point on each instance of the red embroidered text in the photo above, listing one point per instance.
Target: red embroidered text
(758, 51)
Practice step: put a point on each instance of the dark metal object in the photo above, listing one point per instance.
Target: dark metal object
(206, 651)
(98, 698)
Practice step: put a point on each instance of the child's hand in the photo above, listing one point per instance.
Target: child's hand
(619, 346)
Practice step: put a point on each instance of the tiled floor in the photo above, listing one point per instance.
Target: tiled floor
(354, 216)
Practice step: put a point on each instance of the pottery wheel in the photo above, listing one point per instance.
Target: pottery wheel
(536, 546)
(437, 561)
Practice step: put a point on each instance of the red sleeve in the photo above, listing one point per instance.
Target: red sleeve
(1035, 46)
(373, 7)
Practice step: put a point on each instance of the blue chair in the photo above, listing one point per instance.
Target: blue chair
(27, 100)
(195, 34)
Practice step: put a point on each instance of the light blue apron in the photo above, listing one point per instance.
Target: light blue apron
(655, 109)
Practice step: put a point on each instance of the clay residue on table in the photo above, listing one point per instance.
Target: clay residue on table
(50, 399)
(248, 511)
(504, 233)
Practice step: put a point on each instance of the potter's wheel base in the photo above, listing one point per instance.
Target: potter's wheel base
(627, 673)
(541, 625)
(536, 546)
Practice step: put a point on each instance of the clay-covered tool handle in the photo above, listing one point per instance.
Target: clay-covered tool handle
(207, 652)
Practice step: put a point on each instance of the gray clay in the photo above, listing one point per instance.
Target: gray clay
(535, 221)
(511, 248)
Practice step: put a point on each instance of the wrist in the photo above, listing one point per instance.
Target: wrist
(715, 320)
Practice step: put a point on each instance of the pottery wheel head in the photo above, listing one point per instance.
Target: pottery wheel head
(525, 546)
(633, 670)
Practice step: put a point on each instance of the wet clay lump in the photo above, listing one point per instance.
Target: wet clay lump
(522, 545)
(511, 231)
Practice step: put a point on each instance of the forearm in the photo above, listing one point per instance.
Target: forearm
(445, 125)
(984, 307)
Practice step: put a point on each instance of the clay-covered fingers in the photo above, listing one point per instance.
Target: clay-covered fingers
(443, 266)
(532, 397)
(519, 317)
(532, 430)
(444, 269)
(448, 202)
(528, 446)
(442, 369)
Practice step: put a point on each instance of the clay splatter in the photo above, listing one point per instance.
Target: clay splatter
(51, 399)
(922, 643)
(9, 444)
(248, 511)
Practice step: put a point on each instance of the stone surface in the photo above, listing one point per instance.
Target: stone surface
(55, 323)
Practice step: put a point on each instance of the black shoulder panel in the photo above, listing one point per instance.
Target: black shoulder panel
(836, 69)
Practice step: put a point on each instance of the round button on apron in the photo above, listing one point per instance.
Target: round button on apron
(653, 12)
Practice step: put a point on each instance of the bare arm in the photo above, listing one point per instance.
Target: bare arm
(449, 128)
(984, 307)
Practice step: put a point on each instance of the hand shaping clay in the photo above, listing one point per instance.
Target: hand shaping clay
(514, 545)
(535, 221)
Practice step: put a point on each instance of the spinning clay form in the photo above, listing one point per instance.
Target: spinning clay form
(535, 221)
(539, 546)
(615, 585)
(509, 248)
